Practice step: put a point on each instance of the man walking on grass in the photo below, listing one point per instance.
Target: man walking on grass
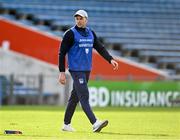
(78, 42)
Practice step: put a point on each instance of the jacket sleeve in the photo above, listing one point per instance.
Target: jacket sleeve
(66, 44)
(101, 49)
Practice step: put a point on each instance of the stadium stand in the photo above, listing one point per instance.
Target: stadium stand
(140, 30)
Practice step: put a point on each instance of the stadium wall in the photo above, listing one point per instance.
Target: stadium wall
(43, 46)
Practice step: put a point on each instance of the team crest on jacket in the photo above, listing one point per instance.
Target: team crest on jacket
(81, 80)
(87, 50)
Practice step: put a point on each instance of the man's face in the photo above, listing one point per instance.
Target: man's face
(80, 21)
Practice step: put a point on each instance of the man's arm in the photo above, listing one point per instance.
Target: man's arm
(101, 49)
(103, 52)
(66, 44)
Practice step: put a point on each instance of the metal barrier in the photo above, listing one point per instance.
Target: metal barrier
(30, 89)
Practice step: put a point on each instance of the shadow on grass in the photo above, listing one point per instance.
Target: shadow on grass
(133, 134)
(128, 134)
(100, 133)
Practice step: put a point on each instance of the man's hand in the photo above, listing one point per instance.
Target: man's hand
(115, 64)
(62, 78)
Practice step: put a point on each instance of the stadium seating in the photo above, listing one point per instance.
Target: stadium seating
(147, 30)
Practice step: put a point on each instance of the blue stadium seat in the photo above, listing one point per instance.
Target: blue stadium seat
(149, 27)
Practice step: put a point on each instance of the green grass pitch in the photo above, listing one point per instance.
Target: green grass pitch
(44, 123)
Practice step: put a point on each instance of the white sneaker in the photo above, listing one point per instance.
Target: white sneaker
(98, 125)
(67, 127)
